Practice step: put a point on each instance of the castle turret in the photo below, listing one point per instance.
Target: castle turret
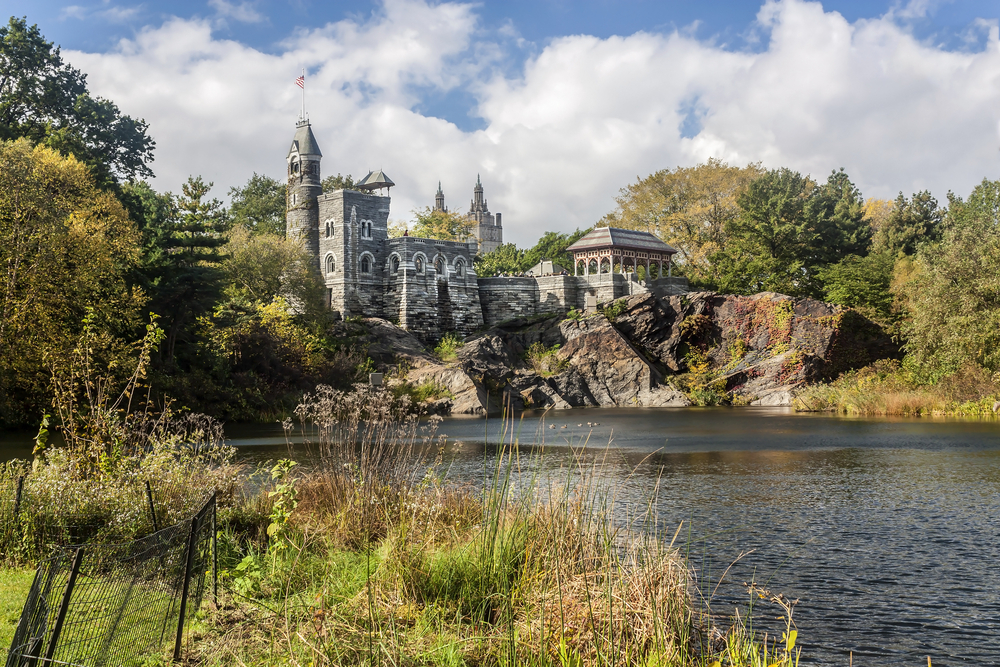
(439, 200)
(304, 186)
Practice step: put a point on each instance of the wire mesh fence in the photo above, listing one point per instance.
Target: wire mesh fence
(109, 605)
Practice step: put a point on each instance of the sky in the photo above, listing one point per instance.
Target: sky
(557, 104)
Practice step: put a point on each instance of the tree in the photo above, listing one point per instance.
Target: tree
(261, 267)
(338, 182)
(788, 230)
(863, 283)
(911, 223)
(687, 207)
(507, 258)
(953, 291)
(767, 242)
(552, 246)
(44, 100)
(836, 215)
(183, 268)
(66, 252)
(442, 225)
(259, 206)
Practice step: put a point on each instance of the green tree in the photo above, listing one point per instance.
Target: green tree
(769, 239)
(863, 283)
(953, 292)
(261, 267)
(442, 225)
(552, 246)
(836, 215)
(66, 252)
(507, 258)
(44, 100)
(787, 231)
(184, 273)
(911, 223)
(338, 182)
(259, 206)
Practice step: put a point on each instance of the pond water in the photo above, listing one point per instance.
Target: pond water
(887, 530)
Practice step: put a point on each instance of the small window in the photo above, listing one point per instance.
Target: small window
(330, 265)
(293, 199)
(460, 269)
(395, 264)
(439, 266)
(366, 265)
(328, 227)
(418, 262)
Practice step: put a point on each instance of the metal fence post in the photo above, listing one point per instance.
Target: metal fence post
(17, 496)
(215, 551)
(152, 510)
(189, 561)
(64, 606)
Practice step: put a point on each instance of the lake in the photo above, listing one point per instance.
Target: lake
(885, 529)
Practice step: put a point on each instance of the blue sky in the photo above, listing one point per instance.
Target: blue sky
(905, 96)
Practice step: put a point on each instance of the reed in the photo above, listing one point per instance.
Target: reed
(382, 560)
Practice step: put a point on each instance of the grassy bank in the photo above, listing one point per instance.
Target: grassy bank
(367, 556)
(887, 388)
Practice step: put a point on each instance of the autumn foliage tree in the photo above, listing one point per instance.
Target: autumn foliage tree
(67, 250)
(689, 208)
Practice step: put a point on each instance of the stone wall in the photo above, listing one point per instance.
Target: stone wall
(431, 287)
(505, 299)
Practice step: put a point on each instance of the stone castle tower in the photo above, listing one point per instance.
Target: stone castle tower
(304, 186)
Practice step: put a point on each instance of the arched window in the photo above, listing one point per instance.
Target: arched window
(605, 265)
(395, 264)
(592, 266)
(418, 262)
(460, 268)
(328, 228)
(581, 268)
(366, 264)
(439, 266)
(330, 265)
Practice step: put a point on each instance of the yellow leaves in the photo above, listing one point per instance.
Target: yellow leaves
(686, 207)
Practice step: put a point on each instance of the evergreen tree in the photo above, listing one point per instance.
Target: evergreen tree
(183, 264)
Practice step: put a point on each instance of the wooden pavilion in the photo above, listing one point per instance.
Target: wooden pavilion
(604, 248)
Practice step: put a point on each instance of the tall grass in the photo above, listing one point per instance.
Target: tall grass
(887, 388)
(382, 561)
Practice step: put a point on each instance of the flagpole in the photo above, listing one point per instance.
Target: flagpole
(303, 93)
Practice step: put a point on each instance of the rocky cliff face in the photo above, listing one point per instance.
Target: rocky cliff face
(644, 351)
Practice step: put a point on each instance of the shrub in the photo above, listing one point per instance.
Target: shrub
(545, 360)
(447, 349)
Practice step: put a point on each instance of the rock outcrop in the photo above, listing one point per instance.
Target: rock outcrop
(641, 350)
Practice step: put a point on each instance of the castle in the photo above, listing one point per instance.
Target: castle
(430, 287)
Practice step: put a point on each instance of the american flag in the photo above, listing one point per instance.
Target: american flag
(301, 82)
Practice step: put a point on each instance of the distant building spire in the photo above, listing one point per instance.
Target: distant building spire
(439, 200)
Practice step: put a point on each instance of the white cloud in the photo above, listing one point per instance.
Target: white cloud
(584, 117)
(243, 12)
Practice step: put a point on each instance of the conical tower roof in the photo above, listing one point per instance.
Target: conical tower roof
(304, 142)
(375, 180)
